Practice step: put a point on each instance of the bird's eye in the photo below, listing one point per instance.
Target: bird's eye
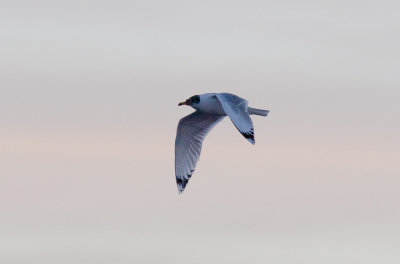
(195, 99)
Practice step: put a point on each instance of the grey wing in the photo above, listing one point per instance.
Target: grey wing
(190, 134)
(236, 108)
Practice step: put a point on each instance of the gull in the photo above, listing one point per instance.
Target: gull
(210, 108)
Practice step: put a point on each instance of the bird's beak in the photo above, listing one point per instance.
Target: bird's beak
(182, 103)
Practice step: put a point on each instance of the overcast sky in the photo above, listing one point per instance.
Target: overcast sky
(88, 116)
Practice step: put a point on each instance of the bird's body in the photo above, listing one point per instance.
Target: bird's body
(209, 104)
(192, 129)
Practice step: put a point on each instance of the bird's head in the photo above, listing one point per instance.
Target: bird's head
(195, 99)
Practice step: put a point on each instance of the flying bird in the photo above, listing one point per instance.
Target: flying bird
(210, 108)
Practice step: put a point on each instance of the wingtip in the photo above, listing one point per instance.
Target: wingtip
(249, 136)
(180, 189)
(252, 141)
(181, 184)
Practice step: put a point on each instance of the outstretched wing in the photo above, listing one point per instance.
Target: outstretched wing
(236, 108)
(190, 134)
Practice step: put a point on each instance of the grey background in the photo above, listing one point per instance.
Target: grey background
(88, 114)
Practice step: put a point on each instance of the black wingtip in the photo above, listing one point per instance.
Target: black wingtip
(249, 136)
(181, 182)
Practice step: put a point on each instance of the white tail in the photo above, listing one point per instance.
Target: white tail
(255, 111)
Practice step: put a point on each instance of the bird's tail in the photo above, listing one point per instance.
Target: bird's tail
(255, 111)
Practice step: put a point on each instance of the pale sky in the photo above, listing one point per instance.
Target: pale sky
(88, 116)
